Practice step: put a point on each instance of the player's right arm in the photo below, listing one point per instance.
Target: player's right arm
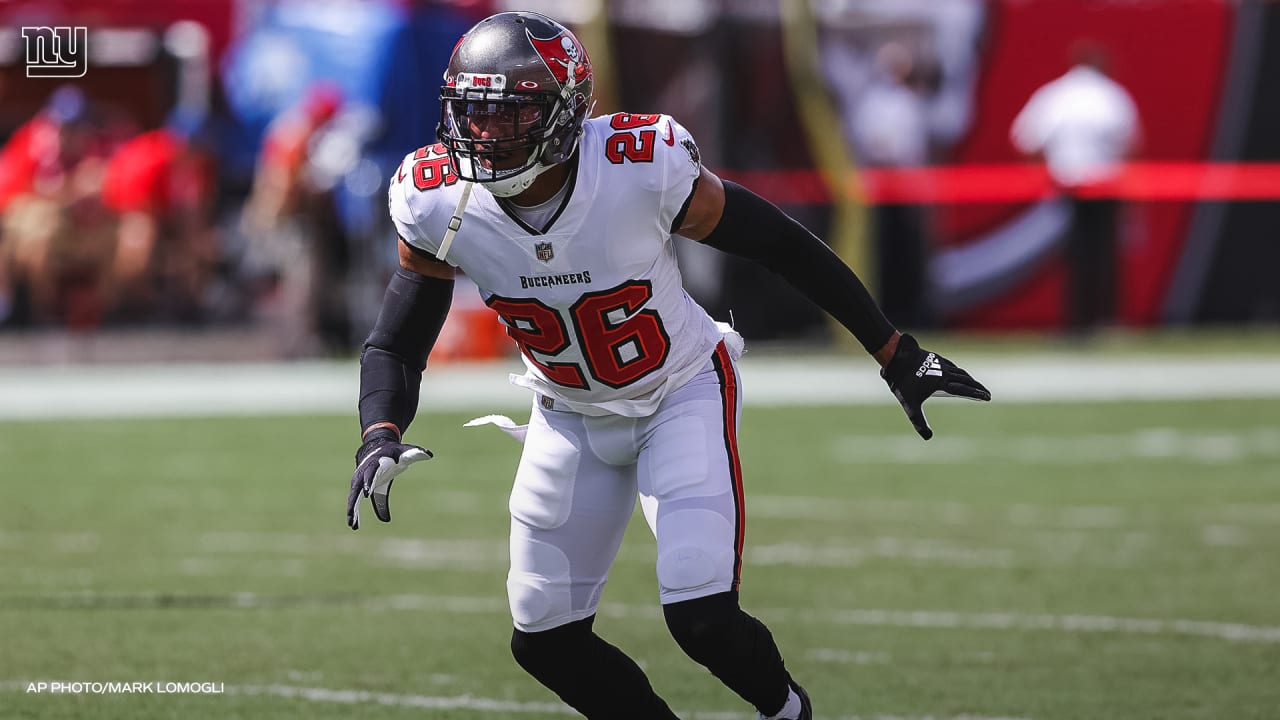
(391, 365)
(395, 354)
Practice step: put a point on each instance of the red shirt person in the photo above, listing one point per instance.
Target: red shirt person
(160, 183)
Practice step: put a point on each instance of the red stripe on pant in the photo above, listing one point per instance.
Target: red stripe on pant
(729, 396)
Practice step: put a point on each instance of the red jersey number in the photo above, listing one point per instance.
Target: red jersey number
(431, 168)
(624, 146)
(618, 354)
(627, 146)
(628, 121)
(615, 353)
(537, 328)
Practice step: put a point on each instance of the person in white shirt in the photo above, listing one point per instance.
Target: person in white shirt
(1084, 125)
(890, 128)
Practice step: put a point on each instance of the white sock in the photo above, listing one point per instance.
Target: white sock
(790, 710)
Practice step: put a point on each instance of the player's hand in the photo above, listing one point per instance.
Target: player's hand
(378, 461)
(915, 374)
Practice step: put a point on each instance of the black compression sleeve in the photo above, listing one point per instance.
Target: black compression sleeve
(754, 228)
(395, 354)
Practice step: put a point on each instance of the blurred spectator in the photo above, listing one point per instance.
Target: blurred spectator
(890, 129)
(161, 185)
(1083, 125)
(903, 74)
(889, 125)
(296, 244)
(385, 59)
(57, 236)
(280, 186)
(944, 40)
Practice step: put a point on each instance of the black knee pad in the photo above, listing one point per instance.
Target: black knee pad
(703, 626)
(556, 646)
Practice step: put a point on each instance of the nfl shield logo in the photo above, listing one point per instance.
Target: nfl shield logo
(544, 251)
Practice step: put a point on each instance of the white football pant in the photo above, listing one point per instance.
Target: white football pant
(576, 488)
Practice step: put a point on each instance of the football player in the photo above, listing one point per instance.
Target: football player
(568, 235)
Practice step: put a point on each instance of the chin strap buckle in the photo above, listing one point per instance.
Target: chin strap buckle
(455, 222)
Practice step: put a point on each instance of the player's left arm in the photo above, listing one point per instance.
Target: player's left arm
(735, 220)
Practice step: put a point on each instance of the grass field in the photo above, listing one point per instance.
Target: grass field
(1052, 562)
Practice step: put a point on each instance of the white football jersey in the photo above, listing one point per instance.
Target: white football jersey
(595, 303)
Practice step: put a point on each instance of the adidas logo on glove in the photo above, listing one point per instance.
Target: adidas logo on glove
(930, 366)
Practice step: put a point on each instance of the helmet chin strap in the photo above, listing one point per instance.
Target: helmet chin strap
(517, 184)
(455, 222)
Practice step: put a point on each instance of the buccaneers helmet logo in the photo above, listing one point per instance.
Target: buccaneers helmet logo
(561, 51)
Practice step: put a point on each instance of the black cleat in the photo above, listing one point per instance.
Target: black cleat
(806, 707)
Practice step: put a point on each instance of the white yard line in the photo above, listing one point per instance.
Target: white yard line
(485, 554)
(1263, 516)
(181, 390)
(483, 705)
(939, 619)
(846, 657)
(238, 554)
(928, 551)
(752, 716)
(944, 619)
(1233, 632)
(1206, 446)
(923, 717)
(351, 697)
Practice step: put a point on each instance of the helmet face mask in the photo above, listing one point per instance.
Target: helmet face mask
(518, 89)
(493, 136)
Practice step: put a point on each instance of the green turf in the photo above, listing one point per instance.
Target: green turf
(215, 550)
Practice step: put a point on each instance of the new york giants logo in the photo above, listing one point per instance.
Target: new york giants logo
(56, 52)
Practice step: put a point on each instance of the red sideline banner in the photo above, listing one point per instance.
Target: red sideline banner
(1021, 182)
